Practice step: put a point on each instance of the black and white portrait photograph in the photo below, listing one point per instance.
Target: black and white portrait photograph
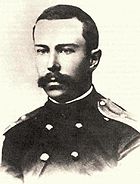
(69, 91)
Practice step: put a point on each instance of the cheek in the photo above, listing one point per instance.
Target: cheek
(73, 64)
(41, 65)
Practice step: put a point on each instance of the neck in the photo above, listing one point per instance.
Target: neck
(76, 99)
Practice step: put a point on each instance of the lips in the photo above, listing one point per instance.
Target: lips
(50, 79)
(53, 83)
(55, 79)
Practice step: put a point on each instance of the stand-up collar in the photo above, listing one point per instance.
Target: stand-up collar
(87, 102)
(76, 99)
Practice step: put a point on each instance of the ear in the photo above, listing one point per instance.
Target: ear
(94, 59)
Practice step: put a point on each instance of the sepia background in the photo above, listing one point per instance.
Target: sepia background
(117, 77)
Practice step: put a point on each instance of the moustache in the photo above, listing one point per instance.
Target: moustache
(54, 77)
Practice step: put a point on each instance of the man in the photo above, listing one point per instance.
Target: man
(77, 129)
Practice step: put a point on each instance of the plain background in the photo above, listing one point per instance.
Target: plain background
(117, 76)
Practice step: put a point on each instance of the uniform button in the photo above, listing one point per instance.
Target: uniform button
(23, 117)
(49, 126)
(107, 119)
(44, 157)
(78, 125)
(102, 103)
(74, 154)
(123, 115)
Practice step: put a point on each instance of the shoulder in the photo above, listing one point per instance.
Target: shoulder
(18, 134)
(111, 110)
(22, 122)
(118, 117)
(123, 123)
(21, 134)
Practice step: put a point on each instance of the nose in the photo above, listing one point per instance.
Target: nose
(54, 68)
(53, 64)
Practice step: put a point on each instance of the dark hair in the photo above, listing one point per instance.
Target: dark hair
(90, 32)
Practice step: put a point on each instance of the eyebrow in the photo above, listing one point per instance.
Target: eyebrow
(41, 45)
(59, 45)
(67, 45)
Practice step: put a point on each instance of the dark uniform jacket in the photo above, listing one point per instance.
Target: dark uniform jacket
(74, 135)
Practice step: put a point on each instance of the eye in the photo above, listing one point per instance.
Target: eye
(67, 51)
(42, 51)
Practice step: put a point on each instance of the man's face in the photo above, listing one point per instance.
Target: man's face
(61, 58)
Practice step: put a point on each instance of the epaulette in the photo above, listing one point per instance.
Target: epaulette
(22, 119)
(111, 110)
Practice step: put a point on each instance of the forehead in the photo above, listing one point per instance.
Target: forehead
(61, 30)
